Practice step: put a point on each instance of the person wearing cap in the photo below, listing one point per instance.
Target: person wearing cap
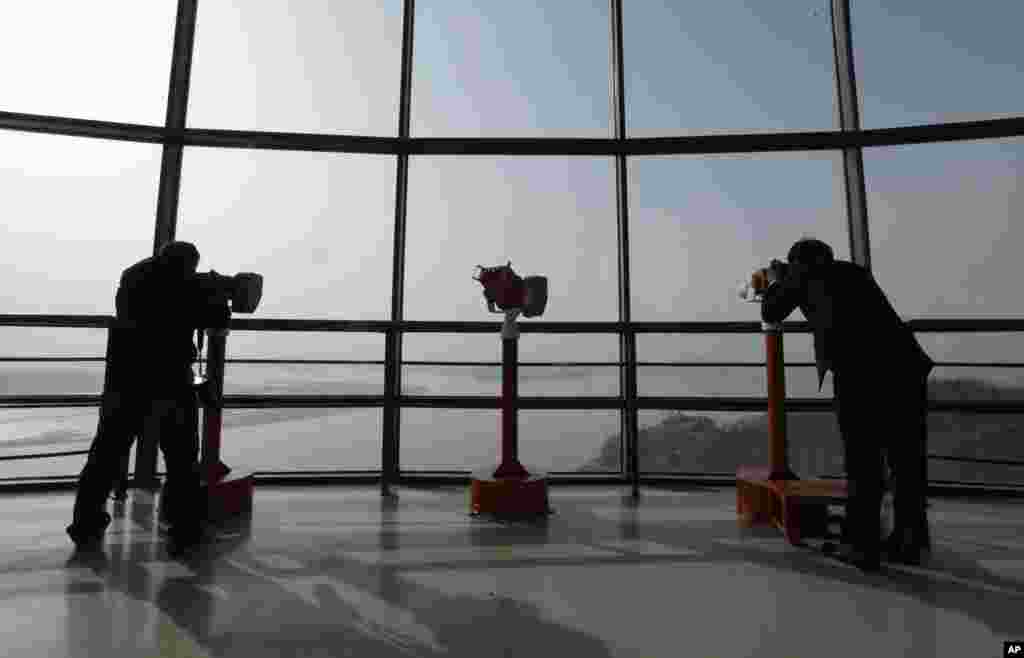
(148, 382)
(879, 378)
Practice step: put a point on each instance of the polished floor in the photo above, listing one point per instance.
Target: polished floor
(341, 571)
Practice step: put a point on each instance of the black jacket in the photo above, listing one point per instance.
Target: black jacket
(856, 330)
(158, 313)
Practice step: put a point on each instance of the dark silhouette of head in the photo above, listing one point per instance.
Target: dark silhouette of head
(810, 252)
(178, 258)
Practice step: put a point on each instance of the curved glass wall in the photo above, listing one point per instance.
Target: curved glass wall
(646, 237)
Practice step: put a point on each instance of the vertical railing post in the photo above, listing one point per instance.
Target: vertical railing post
(391, 451)
(628, 447)
(392, 412)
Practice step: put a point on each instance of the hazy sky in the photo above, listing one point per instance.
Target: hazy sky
(945, 229)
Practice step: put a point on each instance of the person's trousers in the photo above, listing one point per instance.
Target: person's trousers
(876, 419)
(173, 416)
(908, 461)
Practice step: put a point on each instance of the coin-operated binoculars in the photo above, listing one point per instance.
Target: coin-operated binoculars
(773, 494)
(753, 291)
(510, 489)
(227, 497)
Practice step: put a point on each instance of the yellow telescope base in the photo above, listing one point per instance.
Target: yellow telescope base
(799, 508)
(509, 497)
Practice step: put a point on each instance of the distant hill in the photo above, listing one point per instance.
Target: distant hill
(687, 442)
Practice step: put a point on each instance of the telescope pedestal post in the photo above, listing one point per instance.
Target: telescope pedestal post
(227, 497)
(510, 466)
(775, 495)
(778, 447)
(510, 490)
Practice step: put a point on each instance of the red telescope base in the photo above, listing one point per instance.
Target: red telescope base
(799, 508)
(229, 498)
(509, 496)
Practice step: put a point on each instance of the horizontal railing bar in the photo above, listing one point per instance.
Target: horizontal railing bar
(289, 362)
(742, 143)
(302, 401)
(524, 402)
(980, 325)
(51, 359)
(44, 455)
(691, 403)
(521, 364)
(313, 324)
(59, 321)
(495, 364)
(976, 460)
(66, 400)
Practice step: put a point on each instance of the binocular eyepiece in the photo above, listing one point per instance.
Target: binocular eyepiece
(243, 290)
(505, 290)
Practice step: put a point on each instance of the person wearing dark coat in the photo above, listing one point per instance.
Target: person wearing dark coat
(879, 377)
(149, 383)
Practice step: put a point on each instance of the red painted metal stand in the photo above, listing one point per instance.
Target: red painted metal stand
(773, 494)
(229, 495)
(510, 490)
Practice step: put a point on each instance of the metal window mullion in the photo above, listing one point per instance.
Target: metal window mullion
(177, 106)
(628, 458)
(391, 462)
(849, 121)
(146, 455)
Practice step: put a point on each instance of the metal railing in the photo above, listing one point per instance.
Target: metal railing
(618, 402)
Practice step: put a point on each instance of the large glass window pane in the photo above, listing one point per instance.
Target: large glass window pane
(450, 439)
(1002, 383)
(312, 66)
(549, 216)
(552, 440)
(53, 342)
(568, 380)
(974, 436)
(76, 212)
(700, 225)
(92, 60)
(450, 380)
(543, 380)
(956, 207)
(38, 431)
(715, 442)
(736, 66)
(318, 226)
(470, 439)
(511, 69)
(304, 378)
(927, 62)
(302, 439)
(713, 380)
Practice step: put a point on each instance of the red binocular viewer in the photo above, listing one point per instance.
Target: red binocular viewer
(505, 290)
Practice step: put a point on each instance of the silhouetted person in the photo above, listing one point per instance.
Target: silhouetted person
(149, 382)
(879, 375)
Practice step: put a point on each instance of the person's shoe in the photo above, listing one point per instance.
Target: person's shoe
(867, 562)
(88, 536)
(903, 553)
(185, 542)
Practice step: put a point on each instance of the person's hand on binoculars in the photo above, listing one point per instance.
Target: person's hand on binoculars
(777, 271)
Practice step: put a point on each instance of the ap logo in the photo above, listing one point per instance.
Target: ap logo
(1013, 649)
